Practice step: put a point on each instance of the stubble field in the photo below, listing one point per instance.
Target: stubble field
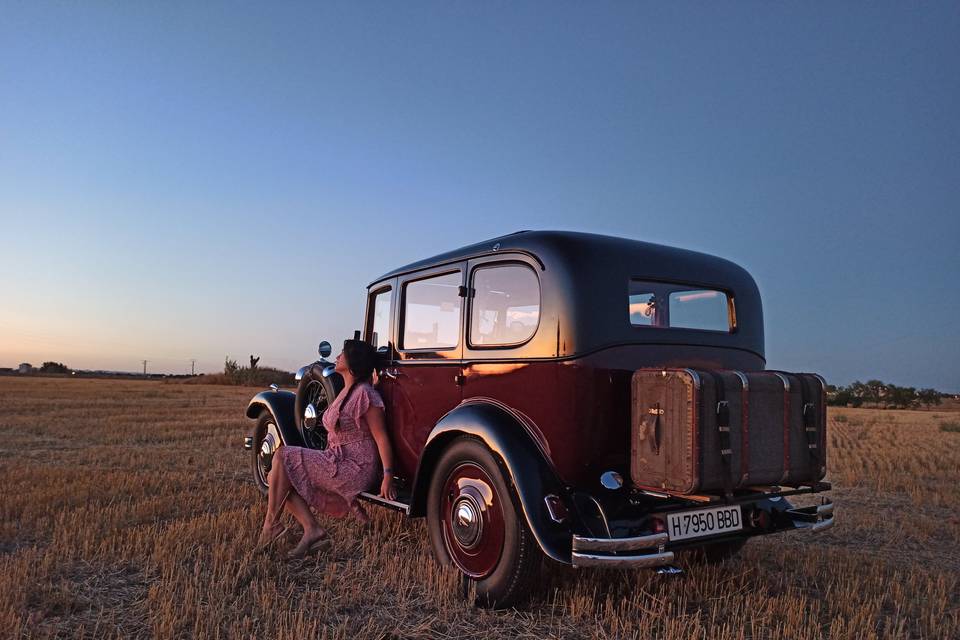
(127, 510)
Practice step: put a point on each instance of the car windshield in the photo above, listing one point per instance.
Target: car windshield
(664, 305)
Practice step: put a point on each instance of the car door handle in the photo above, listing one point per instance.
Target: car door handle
(392, 373)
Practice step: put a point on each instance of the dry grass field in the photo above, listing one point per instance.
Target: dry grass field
(127, 510)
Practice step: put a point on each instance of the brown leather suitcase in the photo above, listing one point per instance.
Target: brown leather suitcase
(717, 431)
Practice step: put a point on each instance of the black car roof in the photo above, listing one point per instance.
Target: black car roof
(536, 243)
(584, 271)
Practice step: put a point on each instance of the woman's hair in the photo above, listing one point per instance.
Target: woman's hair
(361, 359)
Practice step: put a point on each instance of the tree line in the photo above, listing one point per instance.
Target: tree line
(881, 395)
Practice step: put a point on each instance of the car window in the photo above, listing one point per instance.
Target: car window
(380, 325)
(665, 305)
(699, 309)
(431, 312)
(506, 305)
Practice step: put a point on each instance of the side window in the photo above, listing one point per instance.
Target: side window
(506, 305)
(380, 319)
(431, 312)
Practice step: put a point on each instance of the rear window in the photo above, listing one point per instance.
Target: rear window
(677, 306)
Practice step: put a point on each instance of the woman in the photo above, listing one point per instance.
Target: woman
(330, 480)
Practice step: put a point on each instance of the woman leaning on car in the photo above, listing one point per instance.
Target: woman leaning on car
(330, 480)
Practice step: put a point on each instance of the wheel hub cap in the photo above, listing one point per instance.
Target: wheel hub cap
(467, 525)
(473, 526)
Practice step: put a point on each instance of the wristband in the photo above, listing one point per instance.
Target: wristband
(388, 471)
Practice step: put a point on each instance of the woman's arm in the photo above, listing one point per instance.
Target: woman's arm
(378, 428)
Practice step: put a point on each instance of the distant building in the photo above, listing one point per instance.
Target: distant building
(25, 367)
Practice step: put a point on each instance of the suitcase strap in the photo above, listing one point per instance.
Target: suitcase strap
(810, 426)
(723, 434)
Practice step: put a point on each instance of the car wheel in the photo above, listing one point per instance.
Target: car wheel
(266, 441)
(314, 394)
(475, 523)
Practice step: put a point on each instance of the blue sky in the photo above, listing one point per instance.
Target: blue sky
(192, 180)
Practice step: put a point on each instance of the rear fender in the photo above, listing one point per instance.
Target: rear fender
(281, 405)
(527, 470)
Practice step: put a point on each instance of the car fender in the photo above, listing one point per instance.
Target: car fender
(281, 405)
(526, 468)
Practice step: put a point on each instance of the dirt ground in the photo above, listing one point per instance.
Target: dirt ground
(127, 510)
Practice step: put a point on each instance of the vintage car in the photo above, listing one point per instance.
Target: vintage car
(598, 401)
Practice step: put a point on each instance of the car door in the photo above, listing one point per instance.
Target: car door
(422, 377)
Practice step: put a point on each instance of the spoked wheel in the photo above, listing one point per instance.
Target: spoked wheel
(314, 393)
(314, 433)
(266, 442)
(475, 524)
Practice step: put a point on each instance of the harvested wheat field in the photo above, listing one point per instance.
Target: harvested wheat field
(128, 511)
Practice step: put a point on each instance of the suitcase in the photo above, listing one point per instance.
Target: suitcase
(716, 431)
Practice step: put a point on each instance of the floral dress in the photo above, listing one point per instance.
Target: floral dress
(330, 480)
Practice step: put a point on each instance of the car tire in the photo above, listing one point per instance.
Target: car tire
(266, 441)
(476, 524)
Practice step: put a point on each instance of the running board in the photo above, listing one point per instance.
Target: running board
(390, 504)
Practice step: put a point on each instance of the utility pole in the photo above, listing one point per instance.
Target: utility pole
(145, 367)
(192, 366)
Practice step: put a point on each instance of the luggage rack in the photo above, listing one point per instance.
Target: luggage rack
(757, 493)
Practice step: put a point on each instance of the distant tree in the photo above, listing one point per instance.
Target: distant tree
(876, 390)
(929, 397)
(858, 393)
(901, 397)
(253, 362)
(54, 367)
(230, 367)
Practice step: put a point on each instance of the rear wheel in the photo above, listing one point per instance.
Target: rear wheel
(266, 441)
(475, 524)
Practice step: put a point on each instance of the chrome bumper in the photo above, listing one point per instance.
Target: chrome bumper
(814, 519)
(651, 550)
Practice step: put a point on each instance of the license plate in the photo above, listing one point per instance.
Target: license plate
(703, 522)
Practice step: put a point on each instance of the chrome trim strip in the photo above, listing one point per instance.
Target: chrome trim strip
(622, 562)
(619, 544)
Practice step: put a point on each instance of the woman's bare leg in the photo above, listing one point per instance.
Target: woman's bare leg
(279, 487)
(298, 507)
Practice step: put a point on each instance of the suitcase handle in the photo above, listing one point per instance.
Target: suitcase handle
(651, 426)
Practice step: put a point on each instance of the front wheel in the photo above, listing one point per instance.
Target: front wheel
(475, 523)
(266, 441)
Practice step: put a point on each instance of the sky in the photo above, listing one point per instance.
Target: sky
(195, 180)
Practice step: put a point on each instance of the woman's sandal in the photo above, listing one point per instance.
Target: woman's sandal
(323, 543)
(275, 534)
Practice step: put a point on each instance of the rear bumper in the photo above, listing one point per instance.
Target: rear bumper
(656, 550)
(813, 519)
(639, 552)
